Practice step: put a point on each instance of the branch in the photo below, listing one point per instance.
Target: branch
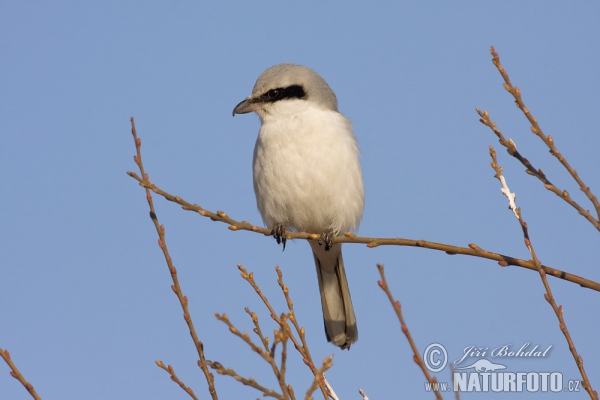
(17, 375)
(320, 379)
(268, 356)
(280, 336)
(511, 148)
(472, 250)
(398, 308)
(558, 310)
(183, 301)
(175, 379)
(548, 140)
(221, 370)
(302, 348)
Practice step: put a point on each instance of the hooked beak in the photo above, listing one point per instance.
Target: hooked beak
(248, 105)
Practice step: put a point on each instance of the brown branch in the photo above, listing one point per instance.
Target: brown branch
(249, 277)
(558, 310)
(268, 356)
(17, 375)
(292, 316)
(302, 348)
(162, 243)
(281, 336)
(175, 379)
(221, 370)
(319, 377)
(325, 389)
(549, 141)
(472, 250)
(511, 149)
(264, 339)
(398, 308)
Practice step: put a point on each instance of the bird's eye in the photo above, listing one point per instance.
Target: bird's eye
(273, 93)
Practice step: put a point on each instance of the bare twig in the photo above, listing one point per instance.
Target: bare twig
(281, 336)
(472, 250)
(398, 308)
(257, 330)
(14, 372)
(302, 347)
(265, 341)
(175, 379)
(300, 330)
(246, 381)
(319, 378)
(558, 310)
(249, 277)
(330, 391)
(549, 141)
(183, 301)
(268, 356)
(511, 148)
(363, 394)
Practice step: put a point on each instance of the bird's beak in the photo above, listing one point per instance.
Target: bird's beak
(246, 106)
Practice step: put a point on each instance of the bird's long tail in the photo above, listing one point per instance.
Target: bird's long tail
(338, 313)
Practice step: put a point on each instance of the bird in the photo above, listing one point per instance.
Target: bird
(307, 178)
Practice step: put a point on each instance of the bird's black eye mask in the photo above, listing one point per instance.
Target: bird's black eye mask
(290, 92)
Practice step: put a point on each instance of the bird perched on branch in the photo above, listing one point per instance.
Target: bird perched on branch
(307, 178)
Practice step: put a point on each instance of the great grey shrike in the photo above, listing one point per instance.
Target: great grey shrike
(307, 178)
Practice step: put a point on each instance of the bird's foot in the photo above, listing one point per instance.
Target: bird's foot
(327, 239)
(278, 233)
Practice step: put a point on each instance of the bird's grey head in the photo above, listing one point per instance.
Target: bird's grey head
(283, 82)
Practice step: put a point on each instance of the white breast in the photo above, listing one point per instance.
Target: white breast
(306, 169)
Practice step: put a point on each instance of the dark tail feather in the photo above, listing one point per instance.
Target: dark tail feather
(338, 313)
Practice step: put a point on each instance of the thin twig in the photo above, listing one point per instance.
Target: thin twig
(301, 348)
(282, 335)
(183, 301)
(319, 377)
(14, 372)
(398, 308)
(300, 330)
(549, 141)
(249, 277)
(175, 379)
(221, 370)
(283, 338)
(268, 356)
(511, 149)
(472, 250)
(558, 310)
(323, 384)
(257, 330)
(330, 390)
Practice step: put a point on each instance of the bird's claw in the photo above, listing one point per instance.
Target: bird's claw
(278, 233)
(327, 238)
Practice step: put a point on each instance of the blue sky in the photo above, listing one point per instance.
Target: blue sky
(85, 299)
